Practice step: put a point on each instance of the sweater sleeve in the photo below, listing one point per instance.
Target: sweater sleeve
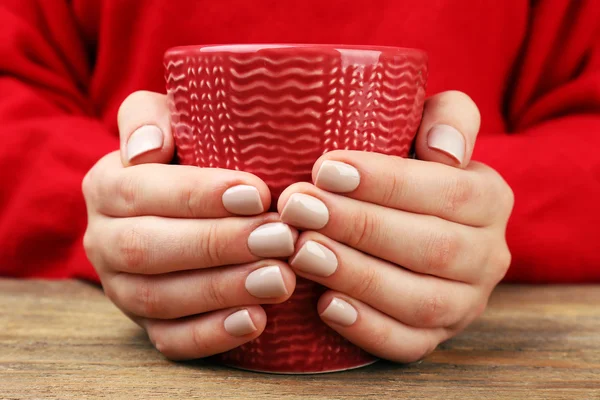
(551, 157)
(50, 140)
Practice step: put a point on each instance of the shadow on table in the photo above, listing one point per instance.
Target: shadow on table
(379, 368)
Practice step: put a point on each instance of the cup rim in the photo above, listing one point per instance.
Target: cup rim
(246, 48)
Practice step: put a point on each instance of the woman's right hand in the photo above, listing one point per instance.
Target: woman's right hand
(185, 252)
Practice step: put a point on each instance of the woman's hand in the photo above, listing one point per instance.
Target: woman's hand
(411, 249)
(168, 241)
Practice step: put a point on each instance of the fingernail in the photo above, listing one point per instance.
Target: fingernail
(239, 323)
(448, 140)
(274, 239)
(143, 140)
(266, 282)
(336, 176)
(304, 211)
(340, 312)
(242, 200)
(316, 259)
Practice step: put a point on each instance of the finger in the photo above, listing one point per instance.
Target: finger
(376, 332)
(472, 196)
(145, 129)
(175, 191)
(421, 243)
(414, 299)
(208, 334)
(182, 294)
(448, 129)
(156, 245)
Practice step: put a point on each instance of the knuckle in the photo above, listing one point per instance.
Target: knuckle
(508, 197)
(132, 249)
(210, 245)
(111, 292)
(145, 301)
(214, 296)
(480, 309)
(87, 185)
(367, 284)
(459, 192)
(89, 244)
(195, 197)
(500, 262)
(500, 194)
(505, 258)
(202, 344)
(97, 185)
(192, 199)
(126, 188)
(363, 231)
(431, 310)
(392, 189)
(93, 180)
(440, 251)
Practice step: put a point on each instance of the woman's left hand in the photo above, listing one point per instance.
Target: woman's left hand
(411, 249)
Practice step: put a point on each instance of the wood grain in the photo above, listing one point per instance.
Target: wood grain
(64, 340)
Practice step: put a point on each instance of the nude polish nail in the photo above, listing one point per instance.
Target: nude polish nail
(448, 140)
(306, 212)
(143, 140)
(314, 258)
(266, 282)
(239, 323)
(242, 200)
(274, 239)
(337, 177)
(340, 312)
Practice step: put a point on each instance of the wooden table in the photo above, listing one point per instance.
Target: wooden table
(65, 340)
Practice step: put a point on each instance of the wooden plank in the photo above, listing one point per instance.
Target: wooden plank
(64, 340)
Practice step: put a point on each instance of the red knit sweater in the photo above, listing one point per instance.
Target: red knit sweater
(533, 67)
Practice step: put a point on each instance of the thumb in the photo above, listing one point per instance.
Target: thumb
(448, 129)
(145, 129)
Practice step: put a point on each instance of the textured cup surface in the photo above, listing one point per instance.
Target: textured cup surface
(272, 110)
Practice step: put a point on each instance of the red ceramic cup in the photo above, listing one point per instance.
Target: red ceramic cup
(272, 110)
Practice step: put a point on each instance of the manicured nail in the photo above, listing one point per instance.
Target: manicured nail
(304, 211)
(339, 177)
(340, 312)
(242, 200)
(316, 259)
(266, 282)
(239, 323)
(274, 239)
(447, 140)
(143, 140)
